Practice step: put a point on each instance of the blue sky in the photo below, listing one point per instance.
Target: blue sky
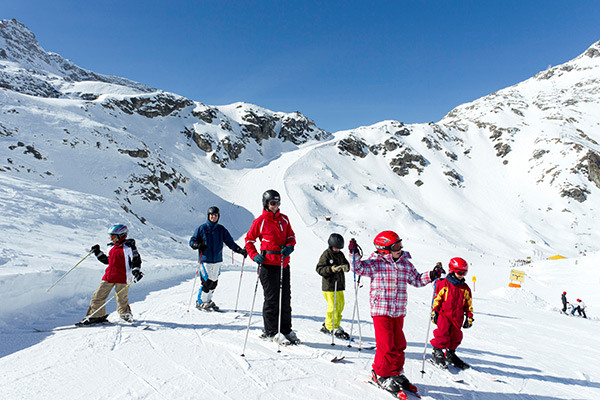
(341, 63)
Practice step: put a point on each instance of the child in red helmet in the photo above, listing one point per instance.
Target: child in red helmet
(390, 271)
(580, 308)
(563, 298)
(452, 310)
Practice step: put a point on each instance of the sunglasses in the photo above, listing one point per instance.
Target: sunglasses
(396, 246)
(460, 273)
(274, 202)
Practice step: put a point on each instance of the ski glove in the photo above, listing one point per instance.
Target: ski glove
(436, 272)
(337, 268)
(242, 251)
(468, 323)
(137, 274)
(287, 250)
(202, 247)
(353, 246)
(259, 259)
(96, 249)
(195, 245)
(434, 316)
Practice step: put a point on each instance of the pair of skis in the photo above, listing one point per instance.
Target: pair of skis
(101, 324)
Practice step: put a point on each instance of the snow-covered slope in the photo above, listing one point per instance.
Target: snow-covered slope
(508, 176)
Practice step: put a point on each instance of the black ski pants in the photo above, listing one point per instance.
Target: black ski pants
(269, 278)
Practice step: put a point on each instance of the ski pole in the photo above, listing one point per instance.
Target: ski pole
(67, 273)
(87, 318)
(428, 327)
(251, 309)
(333, 314)
(280, 296)
(194, 286)
(355, 311)
(239, 285)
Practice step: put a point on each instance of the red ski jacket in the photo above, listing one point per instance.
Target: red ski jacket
(122, 258)
(453, 300)
(274, 232)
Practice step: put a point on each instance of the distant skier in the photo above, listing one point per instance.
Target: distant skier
(580, 308)
(452, 309)
(331, 266)
(208, 239)
(277, 241)
(124, 266)
(390, 271)
(563, 298)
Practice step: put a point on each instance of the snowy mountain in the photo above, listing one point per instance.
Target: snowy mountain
(508, 176)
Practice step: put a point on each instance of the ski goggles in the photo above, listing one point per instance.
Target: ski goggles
(396, 246)
(460, 273)
(274, 202)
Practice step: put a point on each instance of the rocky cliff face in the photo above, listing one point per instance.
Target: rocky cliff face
(48, 105)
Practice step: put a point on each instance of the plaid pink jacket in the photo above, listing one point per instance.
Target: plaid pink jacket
(388, 295)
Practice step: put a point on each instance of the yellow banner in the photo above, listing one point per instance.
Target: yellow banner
(516, 275)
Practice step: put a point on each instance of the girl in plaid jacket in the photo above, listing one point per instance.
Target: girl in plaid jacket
(390, 271)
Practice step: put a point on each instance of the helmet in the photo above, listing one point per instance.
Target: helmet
(215, 211)
(458, 265)
(578, 300)
(385, 241)
(118, 230)
(336, 240)
(268, 196)
(564, 292)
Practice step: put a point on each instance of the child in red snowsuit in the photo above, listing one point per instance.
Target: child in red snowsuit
(452, 310)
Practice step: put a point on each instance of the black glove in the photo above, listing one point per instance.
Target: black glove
(137, 274)
(287, 250)
(202, 247)
(96, 249)
(242, 251)
(468, 323)
(259, 259)
(436, 272)
(195, 245)
(434, 316)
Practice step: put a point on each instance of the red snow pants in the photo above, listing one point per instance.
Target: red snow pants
(391, 343)
(447, 335)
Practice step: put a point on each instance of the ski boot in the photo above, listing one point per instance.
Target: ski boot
(127, 317)
(211, 306)
(439, 359)
(340, 333)
(325, 330)
(405, 383)
(386, 382)
(275, 338)
(292, 338)
(452, 358)
(92, 321)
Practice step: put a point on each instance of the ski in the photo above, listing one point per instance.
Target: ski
(397, 395)
(106, 323)
(66, 327)
(447, 371)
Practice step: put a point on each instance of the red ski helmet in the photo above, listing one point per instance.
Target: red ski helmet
(578, 300)
(387, 241)
(564, 292)
(459, 266)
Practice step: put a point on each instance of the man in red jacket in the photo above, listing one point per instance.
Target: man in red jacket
(277, 240)
(124, 266)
